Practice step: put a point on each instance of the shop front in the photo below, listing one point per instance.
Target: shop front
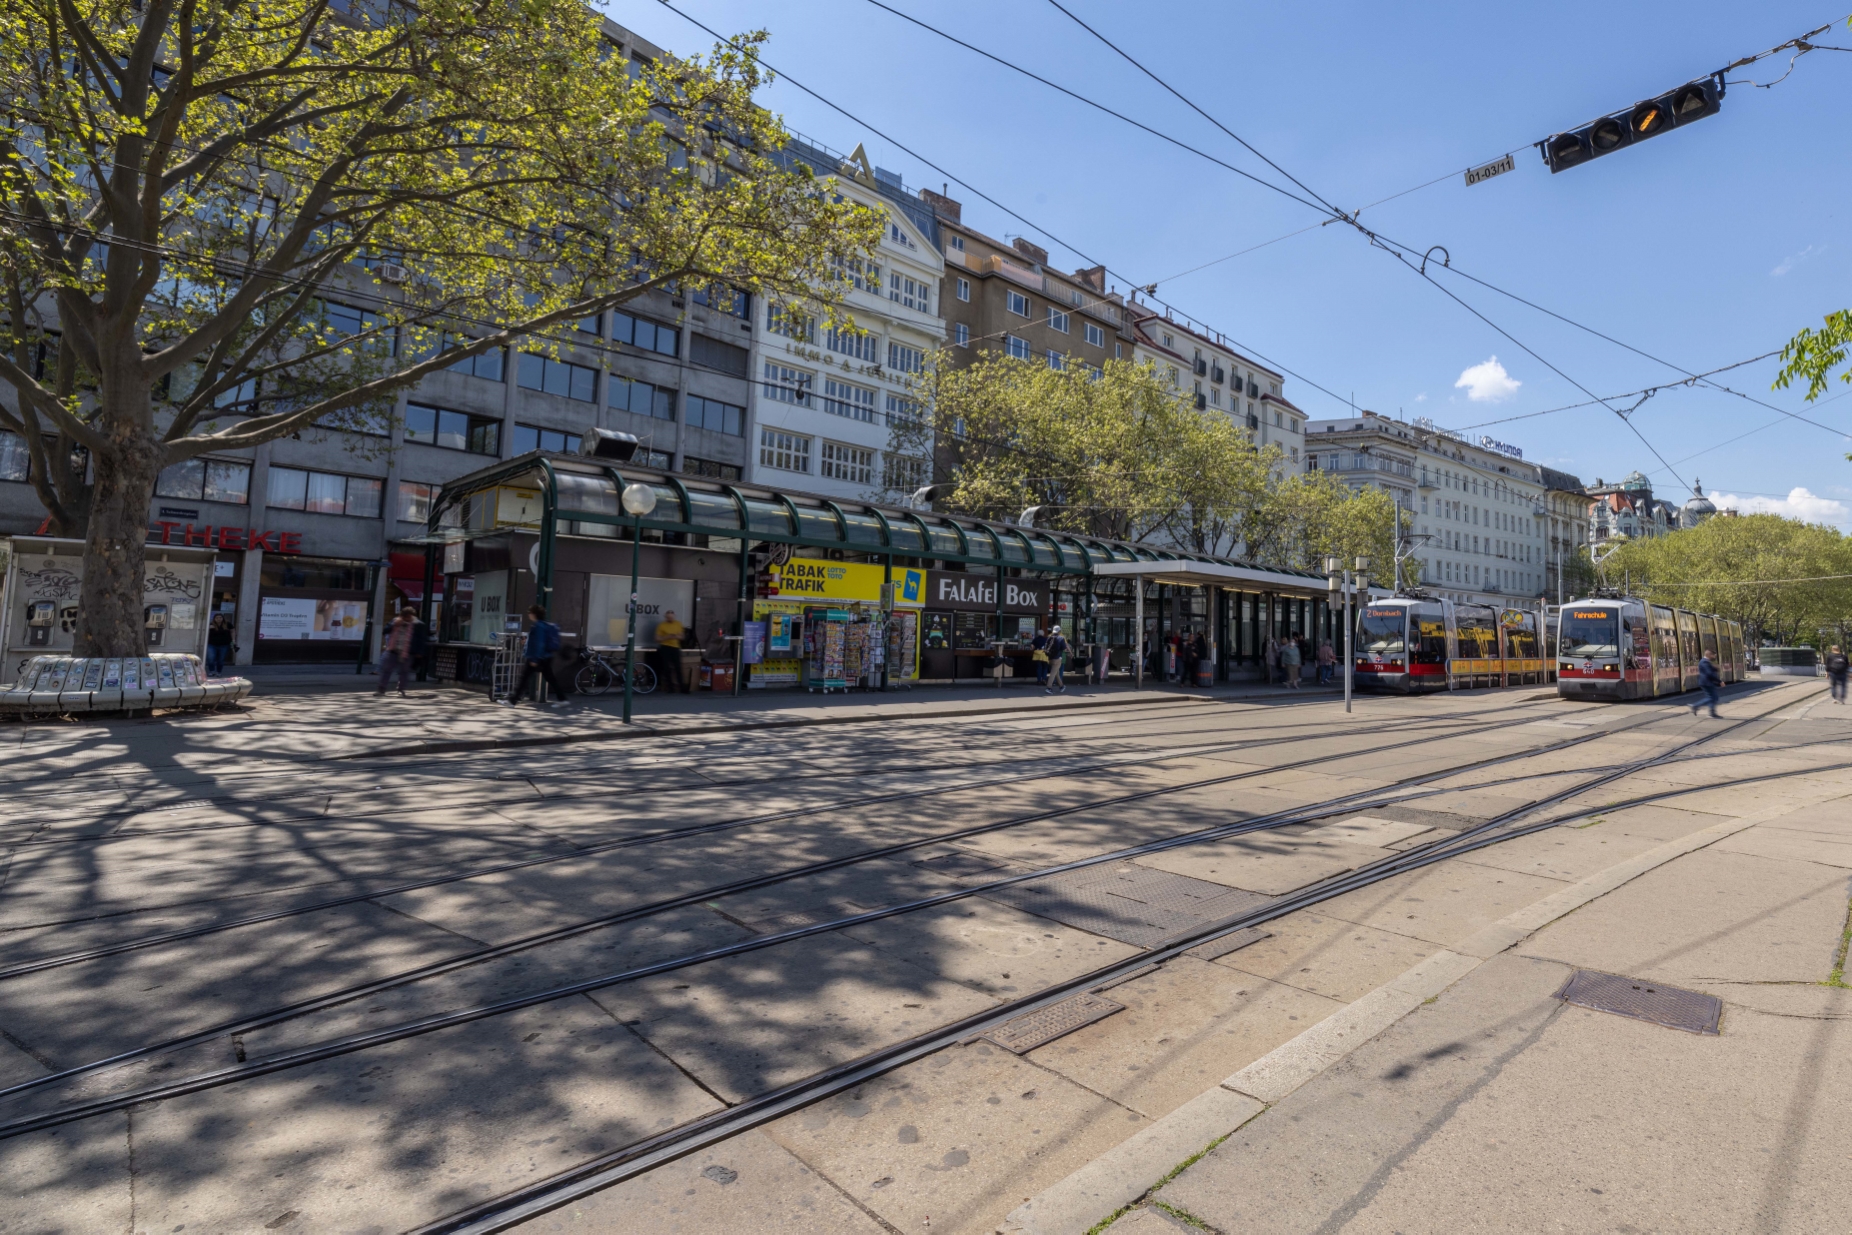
(834, 625)
(975, 621)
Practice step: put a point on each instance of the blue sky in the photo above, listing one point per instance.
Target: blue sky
(1705, 246)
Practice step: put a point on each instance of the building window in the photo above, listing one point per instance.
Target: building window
(1057, 320)
(1019, 348)
(198, 480)
(415, 501)
(487, 365)
(862, 277)
(904, 474)
(324, 493)
(790, 323)
(1095, 336)
(1019, 304)
(1118, 351)
(640, 398)
(906, 411)
(899, 236)
(436, 426)
(557, 377)
(553, 441)
(709, 468)
(1169, 342)
(1056, 361)
(909, 293)
(784, 452)
(842, 399)
(642, 333)
(786, 385)
(850, 463)
(855, 344)
(716, 417)
(723, 299)
(961, 335)
(344, 321)
(964, 289)
(955, 242)
(15, 459)
(721, 357)
(904, 359)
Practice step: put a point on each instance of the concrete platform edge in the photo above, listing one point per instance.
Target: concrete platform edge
(1125, 1173)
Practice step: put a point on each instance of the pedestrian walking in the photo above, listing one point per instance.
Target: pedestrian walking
(669, 636)
(1273, 660)
(1199, 655)
(1057, 655)
(395, 654)
(1290, 661)
(1712, 683)
(1038, 652)
(1327, 663)
(218, 645)
(1836, 667)
(542, 642)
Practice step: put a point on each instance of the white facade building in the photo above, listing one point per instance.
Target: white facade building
(1481, 529)
(822, 397)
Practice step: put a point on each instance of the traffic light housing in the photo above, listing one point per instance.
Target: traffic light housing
(1690, 102)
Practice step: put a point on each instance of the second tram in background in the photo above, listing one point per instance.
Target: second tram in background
(1410, 644)
(1628, 649)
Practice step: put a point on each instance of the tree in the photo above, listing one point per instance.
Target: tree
(1123, 454)
(224, 222)
(1773, 575)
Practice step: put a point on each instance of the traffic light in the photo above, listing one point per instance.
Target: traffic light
(1692, 101)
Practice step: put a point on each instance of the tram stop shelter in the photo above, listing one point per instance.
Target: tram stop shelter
(781, 588)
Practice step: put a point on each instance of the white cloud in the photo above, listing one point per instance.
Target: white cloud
(1422, 397)
(1788, 263)
(1799, 504)
(1488, 382)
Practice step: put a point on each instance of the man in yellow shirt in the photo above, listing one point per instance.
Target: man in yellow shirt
(669, 636)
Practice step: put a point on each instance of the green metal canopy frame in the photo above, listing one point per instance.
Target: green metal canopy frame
(592, 490)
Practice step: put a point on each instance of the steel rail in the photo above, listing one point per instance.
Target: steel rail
(634, 840)
(1336, 806)
(525, 1203)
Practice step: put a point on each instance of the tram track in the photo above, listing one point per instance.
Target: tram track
(519, 1205)
(1344, 804)
(1136, 758)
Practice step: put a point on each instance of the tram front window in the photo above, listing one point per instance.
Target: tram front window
(1381, 631)
(1588, 633)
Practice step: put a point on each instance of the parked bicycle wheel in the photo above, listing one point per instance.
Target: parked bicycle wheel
(645, 680)
(595, 678)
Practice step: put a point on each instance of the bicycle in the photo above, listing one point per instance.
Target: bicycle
(599, 674)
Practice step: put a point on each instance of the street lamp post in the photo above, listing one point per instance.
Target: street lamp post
(639, 500)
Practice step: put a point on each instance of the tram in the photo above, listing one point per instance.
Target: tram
(1411, 644)
(1628, 649)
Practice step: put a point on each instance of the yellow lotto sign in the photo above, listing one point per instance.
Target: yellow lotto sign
(803, 579)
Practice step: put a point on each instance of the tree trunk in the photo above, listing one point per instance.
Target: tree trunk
(110, 614)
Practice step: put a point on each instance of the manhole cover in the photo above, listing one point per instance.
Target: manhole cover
(1234, 941)
(1691, 1011)
(1044, 1025)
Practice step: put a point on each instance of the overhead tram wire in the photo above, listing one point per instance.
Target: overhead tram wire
(1025, 221)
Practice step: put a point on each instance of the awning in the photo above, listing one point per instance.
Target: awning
(1186, 573)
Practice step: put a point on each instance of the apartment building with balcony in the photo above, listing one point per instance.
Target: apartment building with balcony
(1566, 507)
(823, 395)
(1202, 365)
(1481, 523)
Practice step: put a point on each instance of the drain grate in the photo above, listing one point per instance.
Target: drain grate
(1234, 941)
(1691, 1011)
(1044, 1025)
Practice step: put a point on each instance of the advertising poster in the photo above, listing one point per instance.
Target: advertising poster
(608, 601)
(752, 649)
(288, 617)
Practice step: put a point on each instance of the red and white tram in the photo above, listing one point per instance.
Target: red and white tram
(1628, 649)
(1410, 644)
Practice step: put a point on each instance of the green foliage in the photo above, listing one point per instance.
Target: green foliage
(1814, 354)
(1125, 455)
(203, 199)
(1764, 571)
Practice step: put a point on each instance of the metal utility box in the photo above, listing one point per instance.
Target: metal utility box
(44, 579)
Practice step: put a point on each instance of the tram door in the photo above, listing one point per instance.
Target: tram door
(1687, 649)
(1665, 651)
